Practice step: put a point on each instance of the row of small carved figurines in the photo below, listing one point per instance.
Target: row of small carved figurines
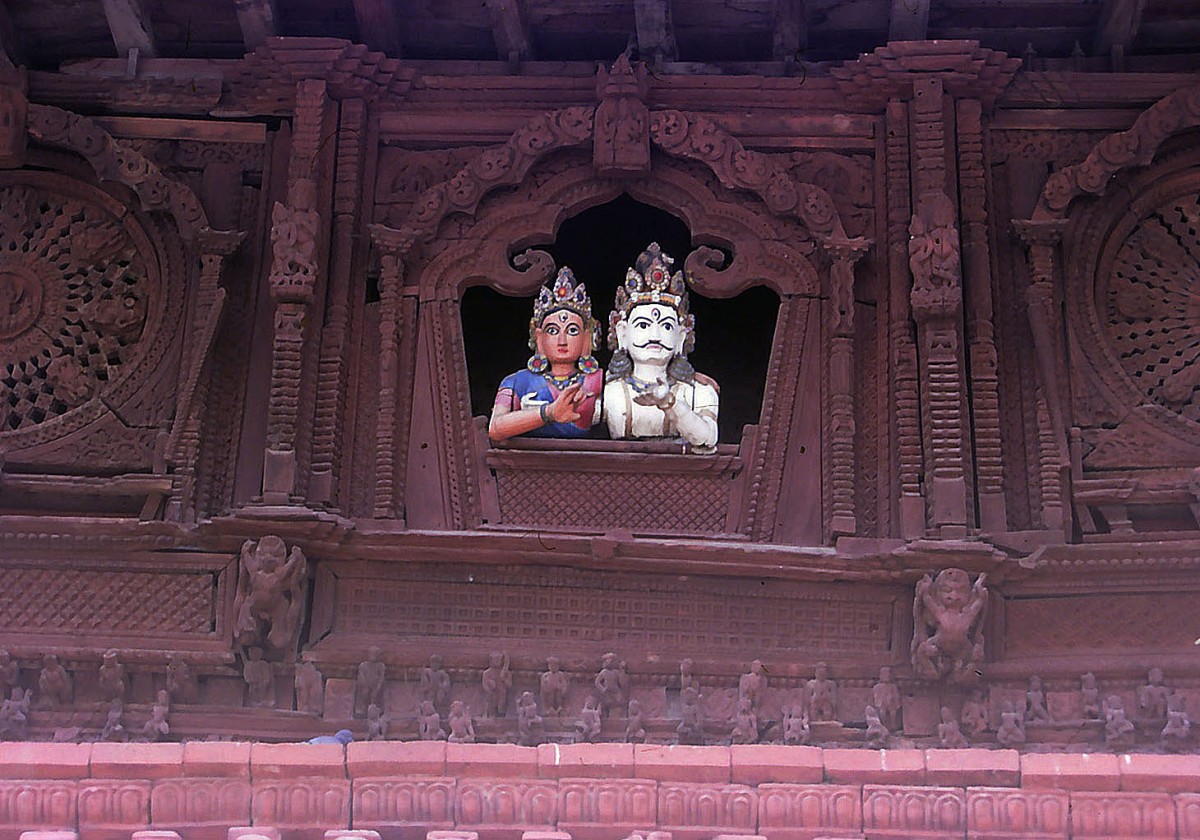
(812, 719)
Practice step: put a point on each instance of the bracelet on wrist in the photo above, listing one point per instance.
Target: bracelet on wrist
(542, 413)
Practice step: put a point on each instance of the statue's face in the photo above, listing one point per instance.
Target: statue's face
(562, 337)
(955, 593)
(651, 333)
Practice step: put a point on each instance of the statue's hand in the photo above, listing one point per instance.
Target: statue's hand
(565, 408)
(659, 394)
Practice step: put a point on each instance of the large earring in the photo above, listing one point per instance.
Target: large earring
(537, 363)
(587, 364)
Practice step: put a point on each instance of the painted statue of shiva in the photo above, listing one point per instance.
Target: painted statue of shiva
(652, 389)
(558, 393)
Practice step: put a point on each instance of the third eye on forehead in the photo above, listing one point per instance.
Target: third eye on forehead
(655, 315)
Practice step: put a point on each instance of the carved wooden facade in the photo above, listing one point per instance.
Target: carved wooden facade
(985, 356)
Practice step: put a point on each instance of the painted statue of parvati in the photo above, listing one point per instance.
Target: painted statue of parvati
(557, 394)
(652, 391)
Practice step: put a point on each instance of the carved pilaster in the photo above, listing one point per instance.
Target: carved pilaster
(903, 346)
(985, 395)
(331, 371)
(843, 256)
(389, 495)
(294, 267)
(1042, 238)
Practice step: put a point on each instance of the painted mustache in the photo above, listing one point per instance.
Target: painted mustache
(652, 343)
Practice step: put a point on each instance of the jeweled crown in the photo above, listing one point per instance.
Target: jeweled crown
(563, 293)
(650, 281)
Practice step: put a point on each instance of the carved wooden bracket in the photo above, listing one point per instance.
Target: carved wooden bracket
(621, 145)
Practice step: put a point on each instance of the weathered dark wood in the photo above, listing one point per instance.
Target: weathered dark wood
(258, 19)
(378, 25)
(510, 28)
(789, 36)
(130, 27)
(10, 41)
(1118, 25)
(910, 20)
(655, 31)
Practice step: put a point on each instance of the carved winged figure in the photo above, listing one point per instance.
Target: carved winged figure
(948, 626)
(270, 595)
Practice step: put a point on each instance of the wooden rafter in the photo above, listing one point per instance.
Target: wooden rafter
(1118, 25)
(258, 21)
(130, 27)
(378, 25)
(909, 21)
(10, 41)
(789, 37)
(655, 31)
(510, 29)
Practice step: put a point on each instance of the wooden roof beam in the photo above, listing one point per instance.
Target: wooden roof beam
(258, 19)
(1117, 27)
(909, 21)
(378, 25)
(789, 37)
(511, 31)
(130, 28)
(655, 31)
(10, 41)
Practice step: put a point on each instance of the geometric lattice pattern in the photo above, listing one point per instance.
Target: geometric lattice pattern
(641, 502)
(97, 600)
(73, 292)
(1151, 306)
(1133, 621)
(728, 616)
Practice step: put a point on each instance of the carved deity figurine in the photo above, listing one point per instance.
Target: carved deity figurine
(54, 683)
(635, 728)
(1175, 733)
(181, 683)
(589, 725)
(114, 722)
(377, 724)
(496, 680)
(310, 689)
(1012, 726)
(821, 693)
(14, 715)
(795, 725)
(557, 395)
(1152, 697)
(612, 683)
(270, 596)
(429, 722)
(877, 734)
(528, 721)
(948, 627)
(111, 680)
(753, 686)
(691, 724)
(1118, 729)
(745, 723)
(687, 676)
(1089, 695)
(886, 697)
(370, 680)
(157, 727)
(259, 677)
(553, 685)
(1035, 703)
(10, 671)
(949, 735)
(974, 715)
(462, 728)
(652, 391)
(435, 682)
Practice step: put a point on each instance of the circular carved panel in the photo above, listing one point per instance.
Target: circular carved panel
(79, 294)
(1149, 304)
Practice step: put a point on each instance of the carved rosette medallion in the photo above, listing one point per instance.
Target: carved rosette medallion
(1149, 306)
(78, 280)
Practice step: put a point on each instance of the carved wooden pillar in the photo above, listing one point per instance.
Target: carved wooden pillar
(1042, 239)
(903, 345)
(390, 446)
(985, 395)
(843, 255)
(936, 300)
(295, 228)
(184, 444)
(332, 370)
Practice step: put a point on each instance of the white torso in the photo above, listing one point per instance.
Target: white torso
(628, 419)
